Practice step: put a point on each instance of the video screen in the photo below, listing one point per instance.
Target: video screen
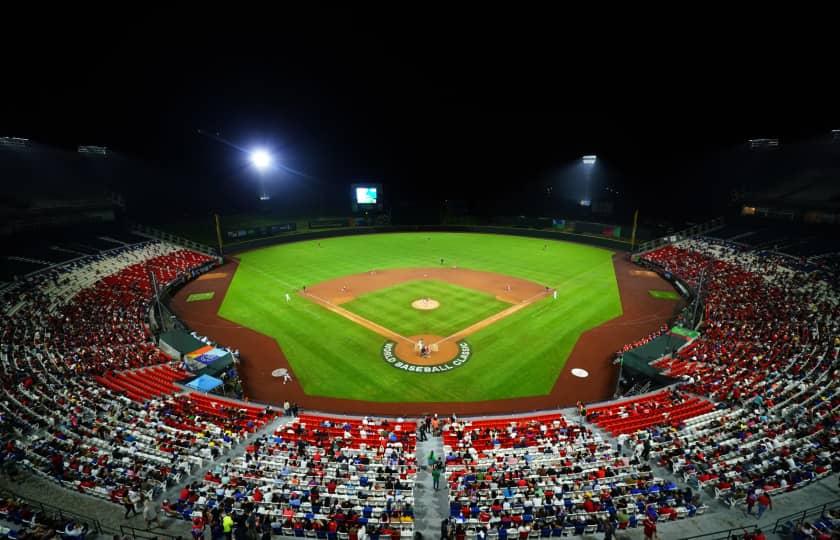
(366, 195)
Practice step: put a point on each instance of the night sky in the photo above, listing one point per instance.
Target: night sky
(473, 108)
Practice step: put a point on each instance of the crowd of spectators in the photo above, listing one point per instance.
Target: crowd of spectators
(63, 329)
(541, 475)
(768, 357)
(317, 475)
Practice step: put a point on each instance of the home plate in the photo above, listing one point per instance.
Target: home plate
(577, 372)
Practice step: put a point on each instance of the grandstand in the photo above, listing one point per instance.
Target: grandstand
(348, 274)
(93, 405)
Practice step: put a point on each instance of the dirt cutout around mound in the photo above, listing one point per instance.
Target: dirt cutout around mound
(594, 351)
(445, 350)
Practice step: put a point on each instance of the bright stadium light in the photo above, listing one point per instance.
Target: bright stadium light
(261, 159)
(590, 159)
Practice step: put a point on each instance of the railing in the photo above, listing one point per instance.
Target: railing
(796, 519)
(151, 232)
(145, 534)
(728, 534)
(696, 230)
(94, 525)
(800, 516)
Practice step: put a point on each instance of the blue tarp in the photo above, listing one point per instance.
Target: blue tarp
(205, 383)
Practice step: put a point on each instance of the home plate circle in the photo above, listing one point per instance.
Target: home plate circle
(280, 372)
(425, 304)
(577, 372)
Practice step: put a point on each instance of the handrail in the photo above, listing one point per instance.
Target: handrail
(145, 534)
(690, 232)
(94, 525)
(802, 514)
(725, 534)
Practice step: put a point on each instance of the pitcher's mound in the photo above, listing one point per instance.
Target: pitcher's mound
(425, 304)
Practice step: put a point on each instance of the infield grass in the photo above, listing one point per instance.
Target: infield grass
(520, 355)
(459, 307)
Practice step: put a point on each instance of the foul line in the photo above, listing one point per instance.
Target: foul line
(493, 318)
(390, 334)
(358, 319)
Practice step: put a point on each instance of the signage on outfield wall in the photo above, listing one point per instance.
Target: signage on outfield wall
(261, 232)
(464, 353)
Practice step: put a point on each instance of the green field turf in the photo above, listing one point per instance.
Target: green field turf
(664, 295)
(199, 296)
(518, 356)
(459, 307)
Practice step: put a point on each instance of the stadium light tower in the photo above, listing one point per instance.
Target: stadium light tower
(588, 164)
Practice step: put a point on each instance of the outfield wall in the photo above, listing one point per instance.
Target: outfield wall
(598, 241)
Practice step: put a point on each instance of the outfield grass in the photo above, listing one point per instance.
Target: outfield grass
(518, 356)
(459, 307)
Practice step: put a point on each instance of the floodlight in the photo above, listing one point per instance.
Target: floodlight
(261, 159)
(14, 142)
(763, 142)
(91, 149)
(590, 159)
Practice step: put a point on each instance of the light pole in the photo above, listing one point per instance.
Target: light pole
(262, 160)
(589, 161)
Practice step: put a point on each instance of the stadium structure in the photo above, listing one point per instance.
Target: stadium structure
(320, 377)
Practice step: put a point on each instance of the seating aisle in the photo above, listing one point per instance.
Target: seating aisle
(430, 506)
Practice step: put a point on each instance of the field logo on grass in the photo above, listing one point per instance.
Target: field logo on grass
(464, 353)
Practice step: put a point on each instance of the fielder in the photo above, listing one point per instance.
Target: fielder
(288, 297)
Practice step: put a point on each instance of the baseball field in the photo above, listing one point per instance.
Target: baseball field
(469, 317)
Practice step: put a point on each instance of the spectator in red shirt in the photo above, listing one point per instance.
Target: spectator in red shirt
(650, 527)
(764, 503)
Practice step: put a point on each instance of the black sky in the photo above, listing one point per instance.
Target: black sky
(423, 101)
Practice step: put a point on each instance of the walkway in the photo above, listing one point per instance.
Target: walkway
(430, 506)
